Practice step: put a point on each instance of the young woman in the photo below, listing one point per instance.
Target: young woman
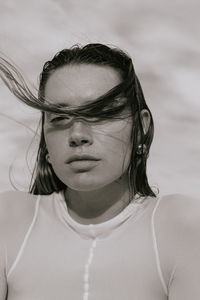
(91, 227)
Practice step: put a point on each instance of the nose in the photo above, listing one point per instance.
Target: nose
(80, 134)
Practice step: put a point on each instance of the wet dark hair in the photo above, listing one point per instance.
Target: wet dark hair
(110, 105)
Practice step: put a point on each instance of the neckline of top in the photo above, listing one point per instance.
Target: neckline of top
(103, 228)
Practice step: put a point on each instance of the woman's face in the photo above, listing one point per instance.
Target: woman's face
(85, 156)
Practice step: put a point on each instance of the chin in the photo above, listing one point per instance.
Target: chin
(86, 185)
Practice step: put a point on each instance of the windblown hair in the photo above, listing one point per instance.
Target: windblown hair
(110, 105)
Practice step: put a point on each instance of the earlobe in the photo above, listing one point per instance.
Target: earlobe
(146, 118)
(48, 158)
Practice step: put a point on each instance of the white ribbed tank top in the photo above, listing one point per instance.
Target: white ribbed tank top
(94, 232)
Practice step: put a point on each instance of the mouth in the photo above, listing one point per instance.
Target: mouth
(82, 158)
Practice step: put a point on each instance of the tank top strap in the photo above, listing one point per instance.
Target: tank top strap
(23, 245)
(155, 247)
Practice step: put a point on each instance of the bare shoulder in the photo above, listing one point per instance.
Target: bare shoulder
(17, 211)
(177, 225)
(179, 214)
(15, 205)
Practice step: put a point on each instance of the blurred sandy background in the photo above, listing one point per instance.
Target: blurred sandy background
(163, 39)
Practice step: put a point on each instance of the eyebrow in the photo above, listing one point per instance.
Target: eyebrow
(62, 104)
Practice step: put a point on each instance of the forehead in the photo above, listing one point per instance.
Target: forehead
(79, 84)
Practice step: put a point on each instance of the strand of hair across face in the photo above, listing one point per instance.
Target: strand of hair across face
(104, 107)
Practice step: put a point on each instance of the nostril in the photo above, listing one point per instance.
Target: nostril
(78, 142)
(73, 144)
(84, 141)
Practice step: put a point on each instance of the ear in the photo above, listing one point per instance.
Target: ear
(146, 118)
(48, 158)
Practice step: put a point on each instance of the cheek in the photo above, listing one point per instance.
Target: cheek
(119, 155)
(117, 146)
(55, 142)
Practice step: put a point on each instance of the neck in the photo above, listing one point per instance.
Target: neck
(96, 206)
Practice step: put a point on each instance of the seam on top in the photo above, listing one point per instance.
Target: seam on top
(6, 258)
(86, 276)
(172, 277)
(155, 246)
(20, 252)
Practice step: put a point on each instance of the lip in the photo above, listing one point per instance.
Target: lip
(83, 157)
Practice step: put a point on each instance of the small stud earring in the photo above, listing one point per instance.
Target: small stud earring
(141, 149)
(48, 158)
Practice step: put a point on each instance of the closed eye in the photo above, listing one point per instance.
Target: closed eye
(58, 119)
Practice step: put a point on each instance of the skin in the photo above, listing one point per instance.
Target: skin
(97, 191)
